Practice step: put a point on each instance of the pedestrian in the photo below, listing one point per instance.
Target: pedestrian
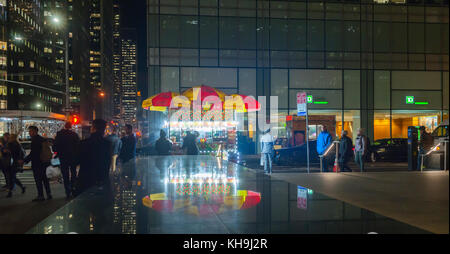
(190, 144)
(66, 146)
(116, 146)
(267, 150)
(95, 158)
(16, 154)
(425, 144)
(163, 145)
(324, 141)
(361, 148)
(129, 141)
(345, 151)
(128, 152)
(3, 143)
(40, 159)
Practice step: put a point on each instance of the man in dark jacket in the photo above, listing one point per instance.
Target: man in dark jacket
(95, 158)
(345, 152)
(190, 144)
(128, 151)
(116, 146)
(163, 145)
(38, 166)
(66, 145)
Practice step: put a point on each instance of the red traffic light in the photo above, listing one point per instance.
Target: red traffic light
(75, 119)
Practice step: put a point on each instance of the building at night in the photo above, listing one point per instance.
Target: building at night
(129, 76)
(101, 57)
(78, 25)
(377, 65)
(117, 60)
(32, 60)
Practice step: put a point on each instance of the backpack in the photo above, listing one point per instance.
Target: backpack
(46, 152)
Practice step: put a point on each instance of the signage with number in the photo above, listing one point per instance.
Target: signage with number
(301, 104)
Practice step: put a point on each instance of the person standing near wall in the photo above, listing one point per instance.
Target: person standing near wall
(267, 143)
(345, 152)
(360, 149)
(323, 142)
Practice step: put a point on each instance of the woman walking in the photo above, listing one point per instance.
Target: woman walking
(16, 154)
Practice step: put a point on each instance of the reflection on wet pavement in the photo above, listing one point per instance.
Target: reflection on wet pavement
(204, 195)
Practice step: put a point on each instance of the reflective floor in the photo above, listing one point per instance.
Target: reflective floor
(205, 195)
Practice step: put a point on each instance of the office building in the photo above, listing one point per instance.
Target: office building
(377, 65)
(129, 76)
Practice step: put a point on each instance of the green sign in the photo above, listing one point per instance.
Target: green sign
(409, 99)
(310, 99)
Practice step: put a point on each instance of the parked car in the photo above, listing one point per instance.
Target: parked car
(395, 149)
(296, 155)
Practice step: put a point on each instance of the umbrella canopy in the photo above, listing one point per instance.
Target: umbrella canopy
(161, 102)
(243, 199)
(242, 103)
(203, 92)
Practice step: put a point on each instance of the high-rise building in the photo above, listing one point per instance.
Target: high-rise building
(79, 41)
(117, 60)
(3, 55)
(33, 59)
(358, 61)
(129, 75)
(101, 57)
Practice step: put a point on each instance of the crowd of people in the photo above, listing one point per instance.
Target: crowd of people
(97, 156)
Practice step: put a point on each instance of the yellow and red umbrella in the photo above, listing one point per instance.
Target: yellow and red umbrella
(161, 102)
(203, 92)
(242, 103)
(243, 199)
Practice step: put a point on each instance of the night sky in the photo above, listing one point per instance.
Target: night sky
(134, 16)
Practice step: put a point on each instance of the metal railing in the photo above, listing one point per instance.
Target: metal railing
(334, 144)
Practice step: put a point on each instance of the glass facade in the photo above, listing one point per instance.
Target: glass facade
(360, 59)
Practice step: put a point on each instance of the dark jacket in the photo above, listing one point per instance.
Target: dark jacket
(67, 145)
(190, 145)
(163, 146)
(116, 144)
(35, 154)
(95, 159)
(345, 148)
(16, 153)
(128, 150)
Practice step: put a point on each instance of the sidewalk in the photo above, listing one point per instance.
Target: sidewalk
(18, 214)
(415, 198)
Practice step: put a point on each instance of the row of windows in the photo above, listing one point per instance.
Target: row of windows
(291, 9)
(335, 87)
(295, 59)
(277, 34)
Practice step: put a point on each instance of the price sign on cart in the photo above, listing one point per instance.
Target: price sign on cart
(301, 104)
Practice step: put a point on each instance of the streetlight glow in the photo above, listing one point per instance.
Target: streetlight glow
(56, 20)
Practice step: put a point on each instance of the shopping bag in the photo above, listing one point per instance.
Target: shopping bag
(262, 160)
(53, 172)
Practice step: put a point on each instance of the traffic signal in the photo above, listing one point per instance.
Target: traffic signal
(75, 119)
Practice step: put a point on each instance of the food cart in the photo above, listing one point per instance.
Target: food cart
(216, 128)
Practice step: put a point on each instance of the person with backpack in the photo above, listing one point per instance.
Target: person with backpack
(16, 154)
(116, 146)
(66, 145)
(360, 149)
(40, 158)
(345, 152)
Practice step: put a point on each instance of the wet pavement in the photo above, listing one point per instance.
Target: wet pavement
(205, 195)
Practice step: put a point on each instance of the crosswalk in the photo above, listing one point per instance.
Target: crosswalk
(26, 178)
